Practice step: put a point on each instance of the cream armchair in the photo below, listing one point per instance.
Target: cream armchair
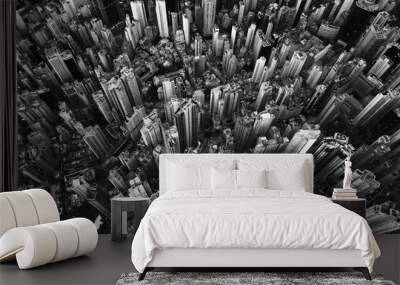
(31, 231)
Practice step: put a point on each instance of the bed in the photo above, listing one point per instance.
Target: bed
(245, 211)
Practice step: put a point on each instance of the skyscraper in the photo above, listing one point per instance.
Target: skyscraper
(187, 120)
(131, 85)
(209, 9)
(139, 13)
(186, 28)
(135, 122)
(377, 108)
(57, 63)
(262, 123)
(96, 140)
(162, 19)
(152, 131)
(258, 69)
(262, 97)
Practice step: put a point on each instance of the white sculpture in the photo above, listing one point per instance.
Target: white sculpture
(347, 174)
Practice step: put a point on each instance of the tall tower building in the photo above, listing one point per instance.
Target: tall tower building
(186, 28)
(380, 67)
(262, 97)
(209, 9)
(135, 122)
(131, 85)
(242, 133)
(103, 106)
(377, 108)
(120, 97)
(258, 69)
(198, 45)
(250, 36)
(187, 121)
(139, 13)
(57, 63)
(152, 131)
(96, 140)
(162, 20)
(171, 139)
(314, 76)
(293, 67)
(303, 140)
(262, 123)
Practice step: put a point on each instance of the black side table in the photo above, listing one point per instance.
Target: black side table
(357, 205)
(120, 207)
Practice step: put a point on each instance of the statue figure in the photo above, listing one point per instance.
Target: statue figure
(347, 174)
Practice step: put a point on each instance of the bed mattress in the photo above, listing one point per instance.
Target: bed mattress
(250, 219)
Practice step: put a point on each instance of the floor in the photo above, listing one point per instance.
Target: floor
(110, 260)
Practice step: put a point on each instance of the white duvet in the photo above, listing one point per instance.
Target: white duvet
(254, 218)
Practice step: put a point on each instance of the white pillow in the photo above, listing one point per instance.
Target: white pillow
(251, 179)
(293, 179)
(223, 179)
(183, 177)
(282, 174)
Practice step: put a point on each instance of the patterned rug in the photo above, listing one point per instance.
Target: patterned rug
(242, 278)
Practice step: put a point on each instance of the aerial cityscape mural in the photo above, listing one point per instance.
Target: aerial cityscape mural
(106, 86)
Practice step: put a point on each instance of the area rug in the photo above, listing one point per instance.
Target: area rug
(243, 278)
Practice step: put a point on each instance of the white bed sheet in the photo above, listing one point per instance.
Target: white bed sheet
(252, 218)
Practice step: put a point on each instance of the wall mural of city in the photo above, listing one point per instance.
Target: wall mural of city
(107, 86)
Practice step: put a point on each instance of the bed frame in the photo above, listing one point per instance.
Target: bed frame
(240, 259)
(249, 259)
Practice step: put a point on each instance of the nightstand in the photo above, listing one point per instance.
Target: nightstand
(120, 207)
(357, 205)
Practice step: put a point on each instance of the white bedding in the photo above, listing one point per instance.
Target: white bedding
(253, 218)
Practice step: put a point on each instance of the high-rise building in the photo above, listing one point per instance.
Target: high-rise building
(120, 97)
(242, 133)
(198, 45)
(135, 122)
(262, 97)
(171, 139)
(234, 31)
(258, 69)
(250, 36)
(314, 76)
(152, 131)
(380, 67)
(139, 13)
(162, 20)
(174, 23)
(209, 10)
(132, 31)
(377, 108)
(168, 89)
(293, 67)
(97, 141)
(57, 63)
(131, 85)
(262, 123)
(303, 140)
(103, 106)
(187, 121)
(186, 28)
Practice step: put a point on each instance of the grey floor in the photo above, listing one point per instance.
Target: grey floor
(110, 260)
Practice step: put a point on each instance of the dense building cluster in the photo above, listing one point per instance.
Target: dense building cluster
(105, 87)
